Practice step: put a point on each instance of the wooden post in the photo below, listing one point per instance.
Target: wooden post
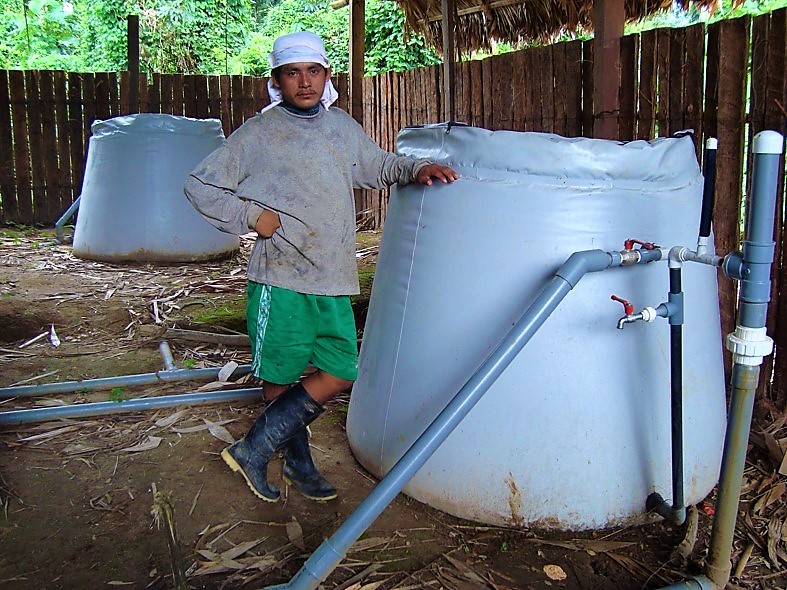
(357, 42)
(449, 57)
(132, 31)
(608, 19)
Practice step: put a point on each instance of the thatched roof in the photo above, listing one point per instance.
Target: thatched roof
(480, 22)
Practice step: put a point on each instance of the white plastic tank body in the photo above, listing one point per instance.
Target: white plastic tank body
(132, 206)
(575, 434)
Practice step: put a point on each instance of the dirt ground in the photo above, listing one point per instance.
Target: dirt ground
(78, 496)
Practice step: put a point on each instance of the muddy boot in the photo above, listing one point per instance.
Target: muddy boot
(284, 417)
(299, 470)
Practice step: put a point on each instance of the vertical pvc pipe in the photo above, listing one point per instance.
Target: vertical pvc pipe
(676, 391)
(655, 502)
(708, 194)
(749, 344)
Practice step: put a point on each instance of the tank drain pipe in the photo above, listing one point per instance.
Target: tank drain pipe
(14, 417)
(72, 208)
(655, 502)
(673, 310)
(749, 344)
(331, 552)
(708, 196)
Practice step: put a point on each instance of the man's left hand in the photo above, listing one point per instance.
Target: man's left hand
(442, 173)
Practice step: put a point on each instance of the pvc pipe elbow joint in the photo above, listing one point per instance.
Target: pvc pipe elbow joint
(749, 345)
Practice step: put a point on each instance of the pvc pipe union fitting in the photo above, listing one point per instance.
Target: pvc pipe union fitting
(749, 345)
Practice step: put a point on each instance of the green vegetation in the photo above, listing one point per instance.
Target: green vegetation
(230, 314)
(679, 17)
(194, 36)
(360, 302)
(117, 394)
(235, 36)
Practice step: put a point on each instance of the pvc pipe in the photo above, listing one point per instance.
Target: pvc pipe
(72, 208)
(758, 248)
(749, 344)
(698, 583)
(655, 502)
(328, 555)
(708, 192)
(166, 356)
(744, 385)
(120, 381)
(132, 405)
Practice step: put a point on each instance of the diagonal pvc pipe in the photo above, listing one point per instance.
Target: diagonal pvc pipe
(328, 555)
(72, 208)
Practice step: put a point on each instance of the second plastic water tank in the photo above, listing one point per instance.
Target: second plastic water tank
(575, 434)
(132, 206)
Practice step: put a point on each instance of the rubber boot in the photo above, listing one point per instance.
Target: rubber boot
(283, 418)
(299, 470)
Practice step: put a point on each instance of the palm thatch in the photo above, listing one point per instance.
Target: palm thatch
(479, 23)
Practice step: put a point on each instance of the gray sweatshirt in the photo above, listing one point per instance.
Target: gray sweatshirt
(304, 168)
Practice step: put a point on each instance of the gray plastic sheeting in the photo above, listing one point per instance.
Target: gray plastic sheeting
(133, 207)
(575, 434)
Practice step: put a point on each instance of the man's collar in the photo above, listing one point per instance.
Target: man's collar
(302, 112)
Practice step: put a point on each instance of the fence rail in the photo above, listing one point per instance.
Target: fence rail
(726, 80)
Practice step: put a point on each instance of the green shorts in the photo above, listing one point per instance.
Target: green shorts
(289, 330)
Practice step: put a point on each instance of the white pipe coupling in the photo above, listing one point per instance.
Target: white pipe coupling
(649, 314)
(749, 345)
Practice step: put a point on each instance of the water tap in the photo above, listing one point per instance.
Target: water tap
(648, 314)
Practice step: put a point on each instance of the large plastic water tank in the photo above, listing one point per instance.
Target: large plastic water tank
(575, 434)
(132, 206)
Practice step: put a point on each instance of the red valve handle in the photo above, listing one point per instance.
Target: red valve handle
(629, 244)
(627, 307)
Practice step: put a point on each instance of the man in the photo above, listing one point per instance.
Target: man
(288, 174)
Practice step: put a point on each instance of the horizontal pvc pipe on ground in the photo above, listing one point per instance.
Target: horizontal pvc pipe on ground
(119, 381)
(132, 405)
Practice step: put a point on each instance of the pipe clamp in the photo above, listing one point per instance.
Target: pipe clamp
(749, 345)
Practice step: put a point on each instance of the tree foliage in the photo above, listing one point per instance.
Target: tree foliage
(193, 36)
(234, 36)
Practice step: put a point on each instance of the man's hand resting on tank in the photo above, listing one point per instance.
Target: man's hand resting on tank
(437, 171)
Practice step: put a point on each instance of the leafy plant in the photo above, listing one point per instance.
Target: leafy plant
(117, 394)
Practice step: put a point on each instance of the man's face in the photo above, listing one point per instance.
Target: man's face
(302, 84)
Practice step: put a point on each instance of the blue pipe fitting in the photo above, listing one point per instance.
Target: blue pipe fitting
(733, 266)
(675, 307)
(581, 263)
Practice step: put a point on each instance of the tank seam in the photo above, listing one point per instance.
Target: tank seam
(401, 327)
